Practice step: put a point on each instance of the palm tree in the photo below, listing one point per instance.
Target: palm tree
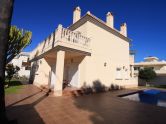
(6, 8)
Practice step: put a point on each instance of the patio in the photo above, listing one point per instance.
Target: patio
(32, 106)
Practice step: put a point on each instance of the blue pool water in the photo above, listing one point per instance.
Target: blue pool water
(152, 96)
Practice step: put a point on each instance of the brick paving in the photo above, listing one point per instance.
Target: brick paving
(32, 106)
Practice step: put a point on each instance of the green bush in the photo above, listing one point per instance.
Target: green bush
(147, 74)
(11, 70)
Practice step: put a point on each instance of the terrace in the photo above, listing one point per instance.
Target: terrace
(64, 39)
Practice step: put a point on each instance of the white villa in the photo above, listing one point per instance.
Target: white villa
(89, 50)
(158, 66)
(21, 60)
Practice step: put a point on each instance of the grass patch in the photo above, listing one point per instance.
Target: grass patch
(14, 87)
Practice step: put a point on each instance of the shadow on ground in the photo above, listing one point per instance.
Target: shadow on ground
(25, 113)
(95, 108)
(106, 108)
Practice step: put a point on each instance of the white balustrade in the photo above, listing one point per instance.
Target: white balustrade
(63, 35)
(75, 38)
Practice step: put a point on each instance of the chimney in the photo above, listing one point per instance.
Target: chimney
(76, 14)
(110, 19)
(123, 29)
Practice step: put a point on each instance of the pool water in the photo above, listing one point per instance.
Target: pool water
(152, 96)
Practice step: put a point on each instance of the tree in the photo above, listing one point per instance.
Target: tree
(18, 40)
(6, 8)
(11, 70)
(147, 74)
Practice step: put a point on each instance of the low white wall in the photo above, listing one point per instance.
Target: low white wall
(159, 80)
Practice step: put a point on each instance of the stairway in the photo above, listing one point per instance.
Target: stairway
(73, 92)
(68, 91)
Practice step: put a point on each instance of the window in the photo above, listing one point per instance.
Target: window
(24, 64)
(118, 73)
(27, 65)
(27, 68)
(136, 68)
(126, 74)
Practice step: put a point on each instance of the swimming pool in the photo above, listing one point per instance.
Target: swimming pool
(150, 96)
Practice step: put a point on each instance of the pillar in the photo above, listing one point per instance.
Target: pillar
(59, 71)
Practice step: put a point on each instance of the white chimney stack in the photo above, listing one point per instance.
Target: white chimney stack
(76, 14)
(110, 19)
(123, 29)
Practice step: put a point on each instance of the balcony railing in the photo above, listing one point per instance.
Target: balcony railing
(62, 36)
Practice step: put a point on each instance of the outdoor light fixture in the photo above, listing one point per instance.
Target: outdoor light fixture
(105, 64)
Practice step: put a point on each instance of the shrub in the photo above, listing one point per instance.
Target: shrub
(147, 74)
(11, 70)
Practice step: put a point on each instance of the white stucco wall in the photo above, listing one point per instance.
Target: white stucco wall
(109, 52)
(17, 61)
(106, 48)
(42, 75)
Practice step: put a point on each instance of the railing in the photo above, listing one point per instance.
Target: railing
(75, 38)
(64, 36)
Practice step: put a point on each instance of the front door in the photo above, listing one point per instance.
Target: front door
(73, 74)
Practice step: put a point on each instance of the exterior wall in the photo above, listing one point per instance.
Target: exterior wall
(17, 61)
(83, 61)
(45, 72)
(42, 73)
(52, 76)
(109, 52)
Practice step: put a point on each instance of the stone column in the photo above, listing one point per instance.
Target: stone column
(59, 73)
(59, 33)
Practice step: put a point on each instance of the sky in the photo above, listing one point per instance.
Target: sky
(146, 20)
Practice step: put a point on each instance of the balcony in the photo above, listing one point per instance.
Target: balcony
(64, 39)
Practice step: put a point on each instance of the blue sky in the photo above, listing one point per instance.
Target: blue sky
(146, 20)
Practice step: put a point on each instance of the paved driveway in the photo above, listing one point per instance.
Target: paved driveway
(32, 106)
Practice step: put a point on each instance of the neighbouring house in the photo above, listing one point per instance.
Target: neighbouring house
(158, 66)
(89, 52)
(21, 60)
